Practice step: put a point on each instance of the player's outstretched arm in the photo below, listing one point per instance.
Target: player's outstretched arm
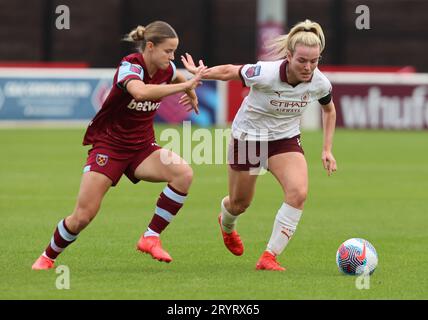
(329, 123)
(222, 72)
(152, 92)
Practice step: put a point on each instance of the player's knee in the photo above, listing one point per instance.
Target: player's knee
(238, 206)
(184, 177)
(188, 175)
(297, 197)
(82, 222)
(83, 216)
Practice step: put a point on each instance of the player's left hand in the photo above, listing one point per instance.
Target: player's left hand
(189, 64)
(329, 162)
(190, 102)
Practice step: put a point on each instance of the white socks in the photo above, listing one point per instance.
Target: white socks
(228, 220)
(150, 233)
(284, 227)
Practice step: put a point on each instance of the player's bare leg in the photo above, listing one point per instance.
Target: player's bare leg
(93, 187)
(241, 191)
(290, 169)
(163, 166)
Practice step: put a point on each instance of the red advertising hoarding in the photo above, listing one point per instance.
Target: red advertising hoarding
(236, 92)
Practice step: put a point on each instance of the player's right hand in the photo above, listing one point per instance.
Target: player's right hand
(191, 102)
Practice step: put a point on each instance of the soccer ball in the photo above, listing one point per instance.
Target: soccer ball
(356, 256)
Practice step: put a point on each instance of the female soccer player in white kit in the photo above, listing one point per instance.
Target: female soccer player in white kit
(280, 91)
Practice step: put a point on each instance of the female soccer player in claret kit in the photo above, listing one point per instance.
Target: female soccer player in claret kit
(123, 141)
(280, 91)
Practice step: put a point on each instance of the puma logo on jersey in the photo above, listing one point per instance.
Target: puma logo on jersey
(143, 106)
(287, 232)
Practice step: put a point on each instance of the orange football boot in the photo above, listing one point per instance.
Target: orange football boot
(43, 263)
(152, 245)
(232, 240)
(268, 262)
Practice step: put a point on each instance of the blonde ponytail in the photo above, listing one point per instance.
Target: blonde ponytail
(135, 35)
(307, 32)
(155, 32)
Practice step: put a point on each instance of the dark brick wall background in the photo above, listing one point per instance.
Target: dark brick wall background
(220, 31)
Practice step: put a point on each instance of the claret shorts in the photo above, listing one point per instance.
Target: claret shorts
(113, 163)
(244, 155)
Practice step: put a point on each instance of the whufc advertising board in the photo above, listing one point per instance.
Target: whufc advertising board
(381, 106)
(363, 100)
(381, 101)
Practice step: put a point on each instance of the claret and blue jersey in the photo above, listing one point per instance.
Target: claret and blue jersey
(122, 122)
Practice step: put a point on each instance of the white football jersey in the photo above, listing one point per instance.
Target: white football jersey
(273, 108)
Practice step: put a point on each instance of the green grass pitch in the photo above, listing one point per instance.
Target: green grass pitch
(379, 193)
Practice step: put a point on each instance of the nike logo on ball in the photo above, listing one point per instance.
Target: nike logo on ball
(362, 257)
